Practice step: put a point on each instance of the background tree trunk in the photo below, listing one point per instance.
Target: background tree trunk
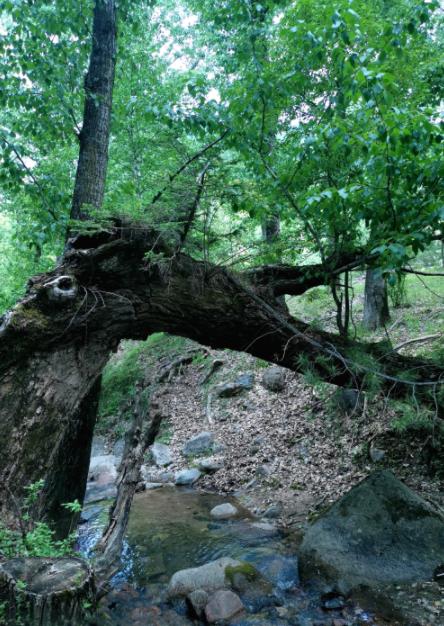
(376, 307)
(271, 228)
(92, 165)
(49, 400)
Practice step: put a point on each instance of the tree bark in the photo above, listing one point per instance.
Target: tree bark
(44, 424)
(376, 307)
(92, 165)
(147, 419)
(56, 591)
(271, 228)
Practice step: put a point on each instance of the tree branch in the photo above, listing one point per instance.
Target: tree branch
(188, 162)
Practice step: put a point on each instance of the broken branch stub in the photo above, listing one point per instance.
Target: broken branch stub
(61, 289)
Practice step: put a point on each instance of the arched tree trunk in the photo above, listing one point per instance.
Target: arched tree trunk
(376, 307)
(106, 290)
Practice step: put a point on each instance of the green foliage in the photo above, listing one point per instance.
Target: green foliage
(35, 538)
(127, 368)
(397, 292)
(165, 433)
(119, 380)
(409, 417)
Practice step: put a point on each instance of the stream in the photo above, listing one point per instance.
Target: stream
(171, 529)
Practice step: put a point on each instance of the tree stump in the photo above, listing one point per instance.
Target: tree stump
(46, 591)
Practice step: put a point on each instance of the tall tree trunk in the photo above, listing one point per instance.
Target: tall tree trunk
(92, 165)
(49, 401)
(376, 307)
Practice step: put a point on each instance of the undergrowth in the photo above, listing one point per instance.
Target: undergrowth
(35, 538)
(128, 368)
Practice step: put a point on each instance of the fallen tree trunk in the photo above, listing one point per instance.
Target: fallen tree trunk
(128, 283)
(147, 418)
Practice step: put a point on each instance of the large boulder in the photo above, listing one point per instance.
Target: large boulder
(103, 469)
(209, 577)
(199, 444)
(187, 477)
(102, 477)
(161, 454)
(380, 532)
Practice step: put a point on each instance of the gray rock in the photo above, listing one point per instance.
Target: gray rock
(223, 605)
(380, 532)
(228, 390)
(198, 600)
(98, 446)
(209, 577)
(224, 511)
(243, 383)
(273, 511)
(376, 454)
(187, 477)
(161, 454)
(210, 464)
(349, 401)
(102, 477)
(199, 444)
(96, 493)
(156, 476)
(103, 469)
(246, 380)
(152, 486)
(273, 378)
(118, 448)
(166, 477)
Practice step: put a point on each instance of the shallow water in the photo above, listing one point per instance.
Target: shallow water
(171, 529)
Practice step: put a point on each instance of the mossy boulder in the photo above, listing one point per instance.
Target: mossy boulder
(380, 532)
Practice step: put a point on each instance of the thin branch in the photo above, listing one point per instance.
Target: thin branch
(194, 206)
(31, 175)
(417, 340)
(406, 270)
(188, 162)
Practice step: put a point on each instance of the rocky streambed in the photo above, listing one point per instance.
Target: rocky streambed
(181, 563)
(191, 557)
